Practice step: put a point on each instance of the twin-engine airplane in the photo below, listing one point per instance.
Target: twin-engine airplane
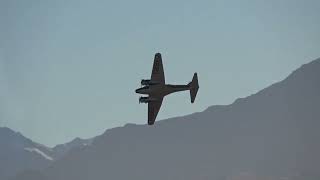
(157, 89)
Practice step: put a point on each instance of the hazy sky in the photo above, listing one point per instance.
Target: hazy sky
(70, 68)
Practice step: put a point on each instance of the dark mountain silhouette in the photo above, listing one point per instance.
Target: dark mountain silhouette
(273, 134)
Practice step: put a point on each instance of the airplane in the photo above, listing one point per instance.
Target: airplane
(157, 89)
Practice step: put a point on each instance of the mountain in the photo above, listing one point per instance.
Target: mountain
(18, 153)
(62, 149)
(273, 134)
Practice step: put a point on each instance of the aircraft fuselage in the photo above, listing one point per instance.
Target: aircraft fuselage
(162, 90)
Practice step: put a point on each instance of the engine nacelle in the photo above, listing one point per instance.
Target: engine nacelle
(147, 82)
(145, 100)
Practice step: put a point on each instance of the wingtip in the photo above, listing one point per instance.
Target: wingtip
(158, 54)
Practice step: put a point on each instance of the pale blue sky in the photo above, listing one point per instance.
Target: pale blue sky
(69, 68)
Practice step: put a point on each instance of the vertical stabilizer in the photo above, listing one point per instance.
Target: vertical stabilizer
(194, 86)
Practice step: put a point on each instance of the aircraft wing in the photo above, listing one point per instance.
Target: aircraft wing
(157, 70)
(153, 109)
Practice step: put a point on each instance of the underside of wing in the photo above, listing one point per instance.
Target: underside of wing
(153, 109)
(157, 70)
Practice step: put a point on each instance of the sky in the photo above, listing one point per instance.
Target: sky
(69, 68)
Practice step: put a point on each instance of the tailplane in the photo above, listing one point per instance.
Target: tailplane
(194, 86)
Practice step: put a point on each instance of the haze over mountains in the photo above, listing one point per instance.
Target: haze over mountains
(273, 134)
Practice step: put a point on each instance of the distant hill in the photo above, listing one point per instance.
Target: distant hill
(62, 149)
(18, 153)
(273, 134)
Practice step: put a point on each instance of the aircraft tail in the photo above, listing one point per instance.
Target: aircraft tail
(194, 86)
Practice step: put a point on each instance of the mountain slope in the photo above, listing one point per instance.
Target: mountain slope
(18, 153)
(269, 135)
(63, 149)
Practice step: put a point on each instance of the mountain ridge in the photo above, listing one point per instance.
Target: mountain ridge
(19, 153)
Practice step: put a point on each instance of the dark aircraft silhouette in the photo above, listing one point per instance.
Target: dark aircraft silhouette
(157, 89)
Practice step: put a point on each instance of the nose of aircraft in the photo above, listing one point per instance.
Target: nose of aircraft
(137, 90)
